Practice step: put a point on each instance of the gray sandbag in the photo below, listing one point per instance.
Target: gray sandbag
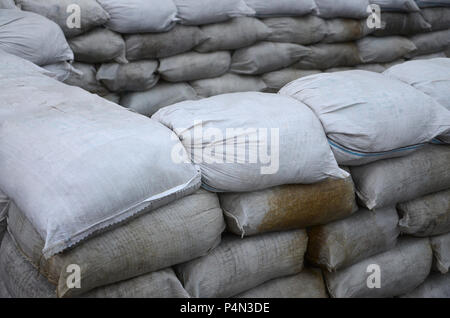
(393, 23)
(345, 242)
(163, 94)
(134, 76)
(391, 181)
(441, 251)
(401, 270)
(157, 45)
(432, 3)
(62, 70)
(193, 66)
(237, 265)
(439, 18)
(384, 49)
(86, 78)
(426, 216)
(435, 286)
(200, 12)
(60, 11)
(325, 56)
(396, 62)
(300, 30)
(264, 8)
(112, 97)
(431, 42)
(396, 5)
(265, 57)
(233, 34)
(278, 140)
(4, 205)
(354, 9)
(99, 46)
(308, 283)
(22, 280)
(378, 68)
(18, 36)
(3, 291)
(14, 66)
(228, 83)
(277, 79)
(345, 30)
(175, 233)
(338, 69)
(7, 4)
(140, 16)
(288, 207)
(429, 56)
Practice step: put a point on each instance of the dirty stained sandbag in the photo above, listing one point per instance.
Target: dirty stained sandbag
(277, 79)
(288, 207)
(265, 57)
(180, 39)
(426, 216)
(99, 46)
(264, 8)
(384, 49)
(18, 36)
(193, 66)
(61, 12)
(325, 56)
(163, 94)
(435, 286)
(396, 5)
(308, 283)
(402, 269)
(86, 79)
(439, 18)
(237, 265)
(300, 30)
(361, 111)
(353, 9)
(347, 241)
(431, 42)
(232, 34)
(133, 76)
(441, 252)
(299, 152)
(139, 16)
(391, 181)
(175, 233)
(228, 83)
(22, 280)
(345, 30)
(393, 23)
(62, 121)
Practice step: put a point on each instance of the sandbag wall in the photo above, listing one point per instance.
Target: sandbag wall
(145, 59)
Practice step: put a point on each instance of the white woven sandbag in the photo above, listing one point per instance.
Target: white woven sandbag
(441, 252)
(384, 49)
(103, 164)
(264, 8)
(278, 140)
(228, 83)
(435, 286)
(397, 5)
(18, 36)
(355, 9)
(368, 116)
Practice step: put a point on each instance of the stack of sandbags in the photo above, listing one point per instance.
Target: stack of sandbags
(94, 193)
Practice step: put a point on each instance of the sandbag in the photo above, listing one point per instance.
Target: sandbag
(163, 94)
(288, 129)
(378, 68)
(140, 16)
(439, 18)
(228, 83)
(266, 57)
(288, 207)
(277, 79)
(100, 159)
(435, 286)
(200, 12)
(157, 45)
(396, 5)
(307, 284)
(7, 4)
(393, 23)
(86, 79)
(345, 242)
(441, 251)
(62, 70)
(426, 216)
(264, 8)
(396, 180)
(112, 97)
(99, 46)
(431, 42)
(429, 56)
(23, 281)
(16, 66)
(233, 34)
(299, 30)
(193, 66)
(237, 265)
(368, 116)
(134, 76)
(325, 56)
(61, 12)
(384, 49)
(18, 36)
(345, 30)
(354, 9)
(401, 269)
(432, 3)
(4, 204)
(175, 233)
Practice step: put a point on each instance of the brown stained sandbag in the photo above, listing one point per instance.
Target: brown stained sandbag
(326, 56)
(288, 207)
(345, 30)
(441, 251)
(345, 242)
